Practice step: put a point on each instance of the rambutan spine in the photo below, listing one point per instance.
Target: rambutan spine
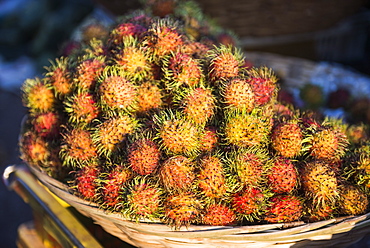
(176, 134)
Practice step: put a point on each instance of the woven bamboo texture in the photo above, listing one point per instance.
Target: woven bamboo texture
(279, 17)
(339, 232)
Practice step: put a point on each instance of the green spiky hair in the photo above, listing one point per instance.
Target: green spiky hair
(319, 182)
(163, 37)
(248, 165)
(198, 104)
(247, 129)
(88, 71)
(77, 148)
(328, 141)
(81, 108)
(109, 135)
(144, 200)
(181, 70)
(116, 93)
(133, 59)
(288, 137)
(38, 95)
(225, 62)
(59, 76)
(176, 134)
(237, 94)
(263, 81)
(143, 154)
(250, 203)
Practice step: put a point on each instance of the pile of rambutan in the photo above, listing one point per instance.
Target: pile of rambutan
(158, 120)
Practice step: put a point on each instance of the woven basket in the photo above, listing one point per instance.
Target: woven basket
(279, 17)
(339, 232)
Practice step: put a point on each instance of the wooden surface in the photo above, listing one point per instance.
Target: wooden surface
(28, 237)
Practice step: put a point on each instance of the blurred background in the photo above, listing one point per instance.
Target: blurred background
(34, 31)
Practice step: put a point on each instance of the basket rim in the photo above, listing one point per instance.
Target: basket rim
(260, 232)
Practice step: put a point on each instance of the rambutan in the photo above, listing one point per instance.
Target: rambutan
(181, 209)
(77, 148)
(248, 165)
(47, 124)
(143, 156)
(133, 60)
(211, 178)
(38, 96)
(282, 176)
(86, 182)
(87, 72)
(181, 69)
(246, 129)
(144, 200)
(287, 138)
(109, 135)
(198, 105)
(81, 108)
(116, 92)
(34, 148)
(263, 82)
(317, 213)
(218, 215)
(177, 173)
(250, 203)
(238, 95)
(284, 208)
(327, 142)
(319, 182)
(162, 38)
(123, 30)
(113, 184)
(352, 201)
(176, 134)
(40, 151)
(224, 62)
(358, 168)
(59, 76)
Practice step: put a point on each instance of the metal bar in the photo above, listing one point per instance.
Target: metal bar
(69, 231)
